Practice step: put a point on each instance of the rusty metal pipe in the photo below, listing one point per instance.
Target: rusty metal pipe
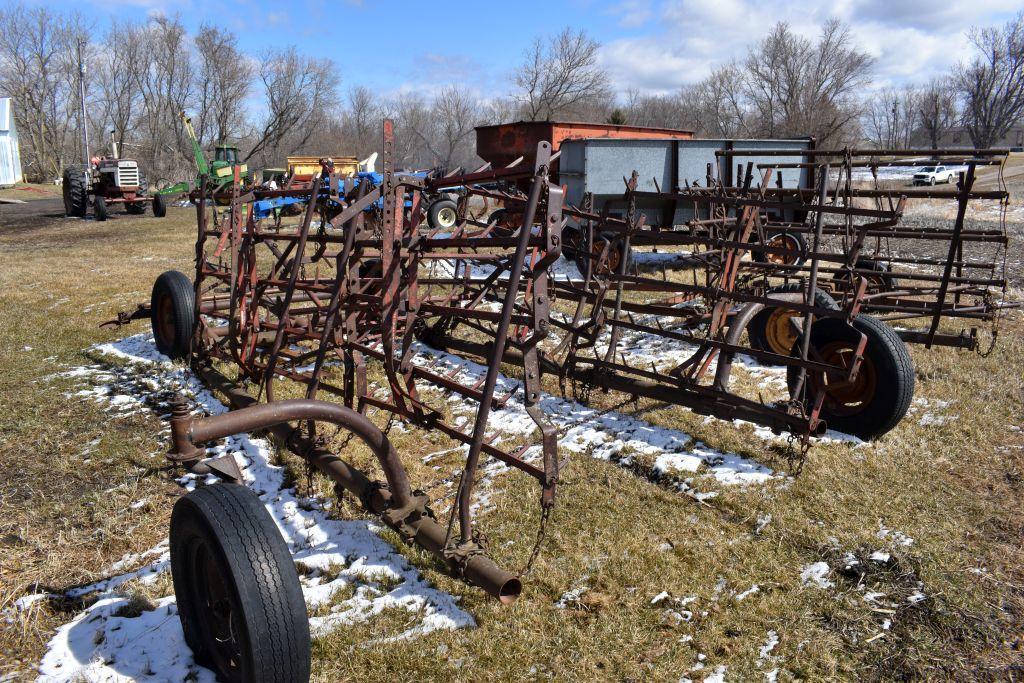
(264, 415)
(478, 569)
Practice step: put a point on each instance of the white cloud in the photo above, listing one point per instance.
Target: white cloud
(910, 42)
(632, 13)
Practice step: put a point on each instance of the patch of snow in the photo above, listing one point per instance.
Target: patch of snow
(747, 593)
(816, 574)
(768, 647)
(718, 675)
(98, 644)
(879, 556)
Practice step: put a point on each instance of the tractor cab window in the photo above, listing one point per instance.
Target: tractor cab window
(228, 154)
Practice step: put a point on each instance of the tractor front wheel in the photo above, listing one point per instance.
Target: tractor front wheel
(99, 208)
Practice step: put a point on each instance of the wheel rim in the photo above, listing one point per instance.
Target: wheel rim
(165, 319)
(218, 613)
(782, 241)
(446, 217)
(779, 331)
(844, 398)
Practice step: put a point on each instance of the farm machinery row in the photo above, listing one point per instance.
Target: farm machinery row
(322, 322)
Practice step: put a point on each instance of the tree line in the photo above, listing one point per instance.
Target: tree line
(140, 75)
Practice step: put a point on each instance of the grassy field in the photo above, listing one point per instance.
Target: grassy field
(948, 604)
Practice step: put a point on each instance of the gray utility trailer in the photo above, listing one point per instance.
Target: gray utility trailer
(599, 165)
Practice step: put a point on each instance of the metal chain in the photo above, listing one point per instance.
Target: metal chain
(545, 515)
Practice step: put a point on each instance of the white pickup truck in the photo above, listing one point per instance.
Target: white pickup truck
(933, 175)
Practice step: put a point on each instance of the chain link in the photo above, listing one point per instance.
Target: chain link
(545, 515)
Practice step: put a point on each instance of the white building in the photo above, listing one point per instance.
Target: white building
(10, 158)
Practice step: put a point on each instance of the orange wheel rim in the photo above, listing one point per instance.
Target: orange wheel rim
(779, 331)
(782, 241)
(842, 397)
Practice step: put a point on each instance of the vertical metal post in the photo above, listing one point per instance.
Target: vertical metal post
(84, 123)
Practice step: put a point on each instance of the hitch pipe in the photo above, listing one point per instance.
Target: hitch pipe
(393, 501)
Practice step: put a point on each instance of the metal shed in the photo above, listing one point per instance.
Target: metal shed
(10, 158)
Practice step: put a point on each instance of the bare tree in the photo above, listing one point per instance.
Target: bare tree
(718, 101)
(167, 86)
(224, 81)
(796, 87)
(38, 70)
(445, 129)
(560, 76)
(992, 84)
(936, 109)
(362, 121)
(298, 92)
(661, 111)
(892, 117)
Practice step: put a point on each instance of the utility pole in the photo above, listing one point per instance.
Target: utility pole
(81, 93)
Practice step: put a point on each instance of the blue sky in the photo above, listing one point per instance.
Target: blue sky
(651, 45)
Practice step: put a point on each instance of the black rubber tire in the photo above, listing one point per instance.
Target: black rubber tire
(172, 311)
(99, 208)
(76, 191)
(134, 208)
(226, 533)
(159, 206)
(758, 326)
(438, 222)
(893, 375)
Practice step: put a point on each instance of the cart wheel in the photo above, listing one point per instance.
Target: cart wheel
(239, 599)
(76, 193)
(172, 311)
(616, 253)
(770, 329)
(99, 208)
(159, 206)
(792, 241)
(443, 214)
(880, 395)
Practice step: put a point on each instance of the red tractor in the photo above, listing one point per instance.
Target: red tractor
(109, 180)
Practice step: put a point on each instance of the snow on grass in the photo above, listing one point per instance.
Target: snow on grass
(110, 642)
(816, 574)
(605, 435)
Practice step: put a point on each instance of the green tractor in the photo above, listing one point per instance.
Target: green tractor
(220, 172)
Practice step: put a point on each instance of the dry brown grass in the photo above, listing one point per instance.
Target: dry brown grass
(956, 489)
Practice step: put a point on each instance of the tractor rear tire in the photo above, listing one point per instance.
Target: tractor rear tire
(159, 206)
(135, 208)
(239, 599)
(770, 329)
(99, 208)
(172, 311)
(880, 396)
(443, 214)
(76, 191)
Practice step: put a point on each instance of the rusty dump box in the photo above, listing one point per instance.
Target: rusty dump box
(503, 143)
